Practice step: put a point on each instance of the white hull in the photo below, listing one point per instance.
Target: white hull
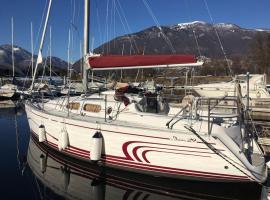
(160, 152)
(5, 93)
(220, 90)
(8, 91)
(70, 179)
(257, 88)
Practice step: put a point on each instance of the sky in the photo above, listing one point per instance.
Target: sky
(112, 18)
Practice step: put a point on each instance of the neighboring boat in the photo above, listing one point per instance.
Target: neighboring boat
(8, 91)
(257, 87)
(72, 179)
(259, 95)
(134, 130)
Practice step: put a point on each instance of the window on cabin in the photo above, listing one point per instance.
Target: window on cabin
(92, 108)
(73, 106)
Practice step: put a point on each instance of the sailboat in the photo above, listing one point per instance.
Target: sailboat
(8, 90)
(257, 89)
(135, 130)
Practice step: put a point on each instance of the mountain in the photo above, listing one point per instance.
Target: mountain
(180, 37)
(22, 60)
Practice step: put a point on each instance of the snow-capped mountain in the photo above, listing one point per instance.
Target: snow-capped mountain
(181, 38)
(22, 60)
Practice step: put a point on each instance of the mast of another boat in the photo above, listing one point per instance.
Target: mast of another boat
(12, 47)
(86, 44)
(32, 51)
(39, 59)
(68, 69)
(50, 52)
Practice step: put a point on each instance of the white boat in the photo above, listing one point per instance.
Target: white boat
(257, 87)
(137, 139)
(70, 179)
(136, 131)
(8, 91)
(259, 96)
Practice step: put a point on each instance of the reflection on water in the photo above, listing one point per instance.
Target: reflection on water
(32, 171)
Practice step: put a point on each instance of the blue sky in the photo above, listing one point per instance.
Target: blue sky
(106, 23)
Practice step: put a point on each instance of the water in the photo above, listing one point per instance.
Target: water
(29, 170)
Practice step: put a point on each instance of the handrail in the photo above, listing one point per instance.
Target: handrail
(177, 114)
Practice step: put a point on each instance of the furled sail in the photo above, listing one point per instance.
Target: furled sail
(114, 62)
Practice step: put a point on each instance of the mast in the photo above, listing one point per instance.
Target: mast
(50, 52)
(32, 51)
(81, 60)
(68, 69)
(86, 43)
(12, 46)
(39, 59)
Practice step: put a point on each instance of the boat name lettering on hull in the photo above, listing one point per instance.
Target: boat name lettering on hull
(175, 138)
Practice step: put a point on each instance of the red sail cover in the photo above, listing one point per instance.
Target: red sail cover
(119, 61)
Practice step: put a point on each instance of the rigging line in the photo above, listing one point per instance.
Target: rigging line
(44, 65)
(107, 26)
(137, 75)
(111, 24)
(40, 25)
(222, 155)
(128, 27)
(26, 75)
(74, 11)
(76, 17)
(39, 29)
(129, 39)
(111, 21)
(99, 28)
(193, 29)
(218, 37)
(30, 63)
(167, 40)
(114, 30)
(72, 27)
(72, 32)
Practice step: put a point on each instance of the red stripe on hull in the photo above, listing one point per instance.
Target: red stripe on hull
(114, 162)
